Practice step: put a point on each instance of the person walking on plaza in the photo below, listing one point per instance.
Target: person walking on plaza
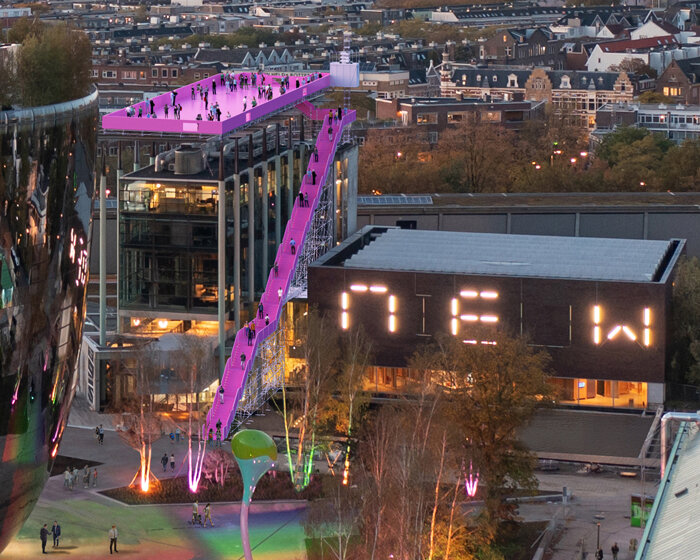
(86, 477)
(172, 462)
(56, 532)
(66, 479)
(615, 551)
(113, 534)
(195, 513)
(599, 554)
(101, 435)
(94, 478)
(177, 434)
(207, 515)
(74, 478)
(44, 536)
(164, 461)
(218, 437)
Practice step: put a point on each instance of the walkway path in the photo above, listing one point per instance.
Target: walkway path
(148, 532)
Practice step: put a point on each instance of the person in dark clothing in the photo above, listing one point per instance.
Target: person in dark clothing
(152, 106)
(277, 270)
(113, 534)
(315, 152)
(340, 113)
(56, 532)
(164, 461)
(306, 200)
(213, 87)
(44, 536)
(261, 313)
(615, 551)
(313, 178)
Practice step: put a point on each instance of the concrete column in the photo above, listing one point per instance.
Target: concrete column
(251, 234)
(290, 182)
(237, 250)
(103, 256)
(278, 200)
(265, 220)
(221, 274)
(120, 173)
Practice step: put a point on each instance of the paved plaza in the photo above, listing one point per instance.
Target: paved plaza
(148, 532)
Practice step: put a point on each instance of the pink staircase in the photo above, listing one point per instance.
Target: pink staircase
(235, 373)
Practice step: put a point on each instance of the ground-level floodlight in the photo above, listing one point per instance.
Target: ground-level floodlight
(255, 453)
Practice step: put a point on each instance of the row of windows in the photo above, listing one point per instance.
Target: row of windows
(139, 74)
(673, 91)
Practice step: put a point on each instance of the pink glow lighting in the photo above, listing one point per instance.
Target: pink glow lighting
(471, 482)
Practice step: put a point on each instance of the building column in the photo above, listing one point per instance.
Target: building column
(137, 155)
(237, 250)
(278, 200)
(265, 220)
(120, 173)
(221, 263)
(290, 182)
(251, 234)
(221, 275)
(103, 253)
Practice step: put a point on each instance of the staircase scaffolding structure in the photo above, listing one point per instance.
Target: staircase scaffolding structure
(256, 370)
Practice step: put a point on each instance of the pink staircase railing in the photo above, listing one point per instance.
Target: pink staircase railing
(235, 373)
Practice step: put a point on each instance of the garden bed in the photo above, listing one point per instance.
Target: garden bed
(176, 491)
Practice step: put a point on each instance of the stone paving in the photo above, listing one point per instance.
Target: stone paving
(603, 498)
(146, 532)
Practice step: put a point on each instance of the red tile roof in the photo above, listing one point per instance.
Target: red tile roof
(632, 44)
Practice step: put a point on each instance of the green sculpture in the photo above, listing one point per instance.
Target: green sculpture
(255, 453)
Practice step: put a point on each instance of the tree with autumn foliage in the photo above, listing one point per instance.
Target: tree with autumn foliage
(494, 389)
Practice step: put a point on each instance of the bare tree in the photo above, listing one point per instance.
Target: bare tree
(309, 404)
(334, 519)
(195, 366)
(356, 358)
(141, 425)
(216, 465)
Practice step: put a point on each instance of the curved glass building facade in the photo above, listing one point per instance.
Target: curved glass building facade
(47, 167)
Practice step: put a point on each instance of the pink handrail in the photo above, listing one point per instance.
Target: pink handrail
(235, 373)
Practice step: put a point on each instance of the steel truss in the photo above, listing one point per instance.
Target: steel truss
(320, 237)
(265, 377)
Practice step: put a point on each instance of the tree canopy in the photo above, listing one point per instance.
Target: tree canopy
(52, 66)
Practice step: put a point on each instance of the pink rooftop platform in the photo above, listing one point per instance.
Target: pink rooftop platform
(235, 372)
(230, 103)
